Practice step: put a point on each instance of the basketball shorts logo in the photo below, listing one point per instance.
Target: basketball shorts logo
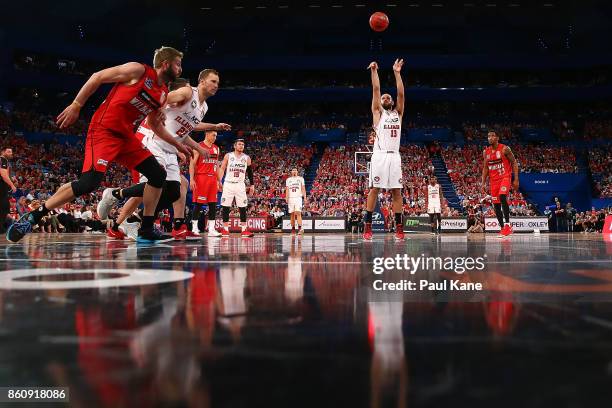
(103, 162)
(222, 199)
(202, 198)
(244, 202)
(503, 189)
(400, 181)
(376, 179)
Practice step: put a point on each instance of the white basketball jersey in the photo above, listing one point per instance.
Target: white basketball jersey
(236, 167)
(433, 194)
(388, 131)
(180, 121)
(295, 187)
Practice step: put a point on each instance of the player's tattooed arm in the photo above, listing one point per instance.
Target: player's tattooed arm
(249, 172)
(485, 173)
(376, 104)
(126, 73)
(515, 170)
(397, 68)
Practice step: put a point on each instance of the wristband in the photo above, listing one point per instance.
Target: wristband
(77, 103)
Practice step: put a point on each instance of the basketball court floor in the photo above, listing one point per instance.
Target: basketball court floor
(286, 321)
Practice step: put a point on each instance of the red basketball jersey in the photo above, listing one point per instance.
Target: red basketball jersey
(208, 166)
(498, 163)
(127, 105)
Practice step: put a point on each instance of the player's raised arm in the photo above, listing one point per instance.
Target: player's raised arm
(399, 83)
(515, 170)
(485, 172)
(376, 104)
(126, 73)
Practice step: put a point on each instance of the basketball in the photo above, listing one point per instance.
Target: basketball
(379, 21)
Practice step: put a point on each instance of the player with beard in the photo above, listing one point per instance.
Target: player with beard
(139, 92)
(386, 163)
(185, 111)
(499, 164)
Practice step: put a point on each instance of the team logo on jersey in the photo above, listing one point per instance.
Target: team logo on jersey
(231, 158)
(194, 104)
(498, 154)
(162, 98)
(148, 83)
(222, 199)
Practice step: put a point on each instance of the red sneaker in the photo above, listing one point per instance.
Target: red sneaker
(399, 233)
(246, 234)
(180, 234)
(192, 236)
(115, 234)
(506, 230)
(225, 232)
(367, 232)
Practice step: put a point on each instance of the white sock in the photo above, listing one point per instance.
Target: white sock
(194, 225)
(243, 227)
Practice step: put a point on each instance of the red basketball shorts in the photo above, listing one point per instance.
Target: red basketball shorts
(206, 189)
(103, 147)
(500, 187)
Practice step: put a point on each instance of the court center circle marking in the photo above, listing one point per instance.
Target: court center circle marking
(133, 277)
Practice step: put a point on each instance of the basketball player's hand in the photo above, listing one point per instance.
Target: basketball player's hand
(371, 138)
(373, 66)
(186, 150)
(483, 189)
(222, 126)
(251, 190)
(182, 158)
(219, 186)
(397, 65)
(14, 189)
(515, 185)
(68, 116)
(192, 185)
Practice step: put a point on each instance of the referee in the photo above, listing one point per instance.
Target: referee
(6, 186)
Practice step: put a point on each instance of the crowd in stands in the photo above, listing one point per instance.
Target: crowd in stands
(545, 159)
(600, 163)
(598, 129)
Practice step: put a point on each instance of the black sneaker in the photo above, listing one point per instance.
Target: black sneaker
(21, 227)
(152, 236)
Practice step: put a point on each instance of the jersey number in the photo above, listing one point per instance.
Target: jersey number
(237, 174)
(181, 132)
(293, 189)
(393, 132)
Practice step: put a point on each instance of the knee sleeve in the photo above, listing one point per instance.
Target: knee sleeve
(226, 213)
(431, 218)
(212, 211)
(87, 183)
(155, 174)
(439, 217)
(242, 214)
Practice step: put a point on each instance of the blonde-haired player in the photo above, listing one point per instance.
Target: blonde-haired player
(386, 163)
(294, 193)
